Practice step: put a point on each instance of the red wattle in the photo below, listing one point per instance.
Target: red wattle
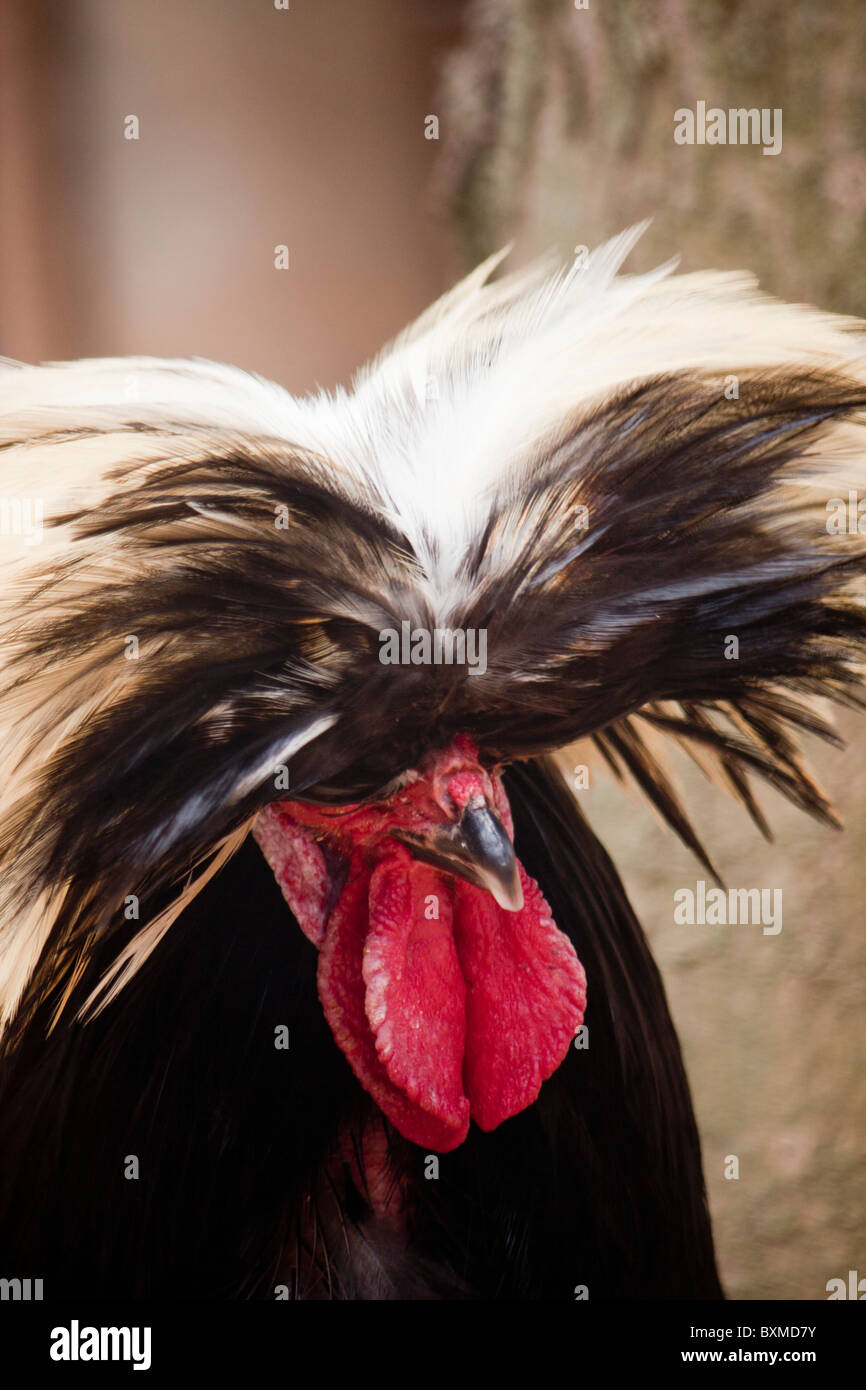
(525, 998)
(343, 991)
(416, 998)
(444, 1002)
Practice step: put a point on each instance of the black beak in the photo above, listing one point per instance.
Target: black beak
(477, 849)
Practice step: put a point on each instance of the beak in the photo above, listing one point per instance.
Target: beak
(477, 849)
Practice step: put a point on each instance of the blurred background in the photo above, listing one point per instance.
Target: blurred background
(307, 126)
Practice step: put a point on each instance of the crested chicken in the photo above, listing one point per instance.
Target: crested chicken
(315, 980)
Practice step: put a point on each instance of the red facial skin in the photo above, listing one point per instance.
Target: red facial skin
(445, 1004)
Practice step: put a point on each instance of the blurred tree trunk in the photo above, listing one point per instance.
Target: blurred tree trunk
(558, 129)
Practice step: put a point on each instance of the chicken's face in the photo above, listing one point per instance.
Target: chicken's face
(442, 975)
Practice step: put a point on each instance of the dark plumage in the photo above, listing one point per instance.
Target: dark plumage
(187, 1052)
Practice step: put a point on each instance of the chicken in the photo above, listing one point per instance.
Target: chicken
(316, 982)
